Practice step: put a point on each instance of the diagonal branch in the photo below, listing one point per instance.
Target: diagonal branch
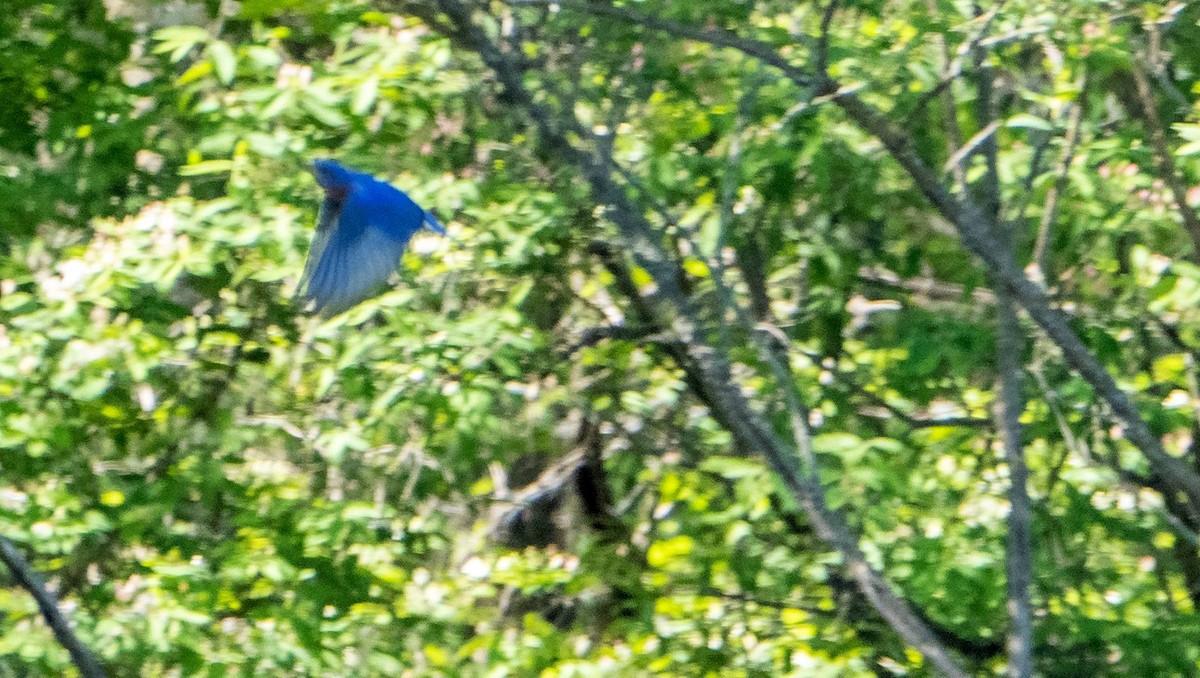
(707, 368)
(975, 230)
(29, 580)
(954, 67)
(984, 137)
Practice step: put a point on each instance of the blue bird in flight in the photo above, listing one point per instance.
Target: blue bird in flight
(362, 229)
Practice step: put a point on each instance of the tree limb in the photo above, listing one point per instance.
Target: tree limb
(709, 369)
(1011, 402)
(821, 53)
(32, 582)
(976, 232)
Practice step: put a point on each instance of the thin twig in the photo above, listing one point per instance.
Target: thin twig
(32, 582)
(1162, 155)
(909, 420)
(953, 68)
(928, 287)
(1050, 209)
(1071, 443)
(821, 53)
(985, 135)
(594, 335)
(729, 185)
(714, 592)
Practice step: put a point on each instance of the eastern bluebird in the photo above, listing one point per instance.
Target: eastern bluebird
(362, 230)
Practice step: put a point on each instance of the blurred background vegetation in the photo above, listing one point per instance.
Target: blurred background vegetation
(492, 468)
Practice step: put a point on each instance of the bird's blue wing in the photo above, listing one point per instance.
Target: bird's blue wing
(326, 222)
(351, 256)
(362, 231)
(391, 210)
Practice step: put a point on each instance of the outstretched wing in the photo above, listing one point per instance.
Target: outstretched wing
(350, 258)
(326, 221)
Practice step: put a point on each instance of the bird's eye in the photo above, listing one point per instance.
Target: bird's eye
(337, 194)
(320, 170)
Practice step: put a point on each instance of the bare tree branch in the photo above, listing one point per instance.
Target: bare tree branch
(987, 135)
(886, 409)
(919, 423)
(730, 181)
(928, 288)
(548, 483)
(594, 335)
(1010, 403)
(821, 53)
(707, 367)
(953, 68)
(31, 581)
(977, 230)
(1050, 210)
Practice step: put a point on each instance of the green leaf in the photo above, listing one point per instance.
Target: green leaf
(364, 96)
(178, 40)
(667, 553)
(206, 167)
(223, 60)
(1028, 121)
(324, 113)
(732, 467)
(195, 72)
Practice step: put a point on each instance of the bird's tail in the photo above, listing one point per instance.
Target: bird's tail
(434, 225)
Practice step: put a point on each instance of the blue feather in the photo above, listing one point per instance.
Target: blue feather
(362, 231)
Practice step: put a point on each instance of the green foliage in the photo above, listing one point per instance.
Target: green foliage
(217, 484)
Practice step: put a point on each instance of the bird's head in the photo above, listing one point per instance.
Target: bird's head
(331, 175)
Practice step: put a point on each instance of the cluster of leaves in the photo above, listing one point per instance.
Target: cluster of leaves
(456, 478)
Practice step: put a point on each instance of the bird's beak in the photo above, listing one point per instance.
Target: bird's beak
(312, 168)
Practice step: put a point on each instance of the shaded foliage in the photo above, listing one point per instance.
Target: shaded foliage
(491, 468)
